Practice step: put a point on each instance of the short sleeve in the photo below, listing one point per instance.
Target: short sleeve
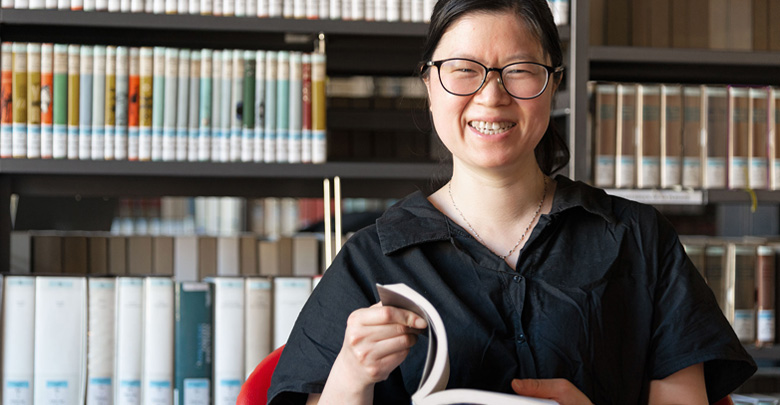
(689, 327)
(318, 333)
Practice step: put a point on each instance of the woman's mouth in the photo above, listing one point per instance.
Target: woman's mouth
(491, 128)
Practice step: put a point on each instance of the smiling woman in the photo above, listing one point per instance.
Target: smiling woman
(551, 288)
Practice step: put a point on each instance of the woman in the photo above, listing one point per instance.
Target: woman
(548, 288)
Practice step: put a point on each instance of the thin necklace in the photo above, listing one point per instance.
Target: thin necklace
(479, 238)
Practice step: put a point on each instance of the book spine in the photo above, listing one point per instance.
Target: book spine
(204, 119)
(290, 293)
(240, 8)
(63, 4)
(258, 324)
(98, 103)
(33, 146)
(109, 111)
(393, 10)
(163, 81)
(114, 6)
(182, 104)
(262, 8)
(122, 102)
(296, 83)
(194, 326)
(259, 111)
(205, 7)
(406, 10)
(157, 379)
(765, 297)
(380, 10)
(228, 8)
(7, 4)
(299, 9)
(18, 326)
(283, 107)
(194, 107)
(223, 141)
(60, 103)
(158, 6)
(287, 8)
(74, 87)
(128, 344)
(358, 10)
(318, 105)
(136, 6)
(228, 339)
(274, 8)
(306, 140)
(134, 101)
(76, 5)
(248, 129)
(172, 7)
(85, 102)
(237, 106)
(20, 100)
(47, 87)
(194, 7)
(216, 8)
(251, 8)
(312, 9)
(216, 105)
(6, 108)
(269, 133)
(146, 75)
(89, 5)
(334, 10)
(101, 317)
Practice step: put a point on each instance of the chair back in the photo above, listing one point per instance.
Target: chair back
(255, 388)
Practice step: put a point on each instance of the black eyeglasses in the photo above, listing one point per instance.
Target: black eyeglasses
(522, 80)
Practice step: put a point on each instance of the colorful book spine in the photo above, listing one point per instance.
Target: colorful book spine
(237, 103)
(74, 88)
(47, 87)
(171, 81)
(98, 103)
(223, 140)
(85, 102)
(295, 108)
(147, 71)
(248, 130)
(6, 100)
(318, 105)
(194, 107)
(60, 104)
(193, 336)
(204, 118)
(283, 107)
(306, 144)
(269, 132)
(18, 350)
(182, 104)
(134, 102)
(158, 102)
(216, 105)
(76, 5)
(20, 100)
(33, 146)
(259, 111)
(109, 110)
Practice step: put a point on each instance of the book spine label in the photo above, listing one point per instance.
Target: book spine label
(294, 133)
(318, 105)
(33, 146)
(159, 100)
(6, 108)
(74, 57)
(194, 107)
(20, 100)
(204, 119)
(237, 106)
(223, 139)
(248, 129)
(47, 87)
(133, 102)
(269, 132)
(85, 102)
(98, 103)
(60, 103)
(146, 100)
(109, 110)
(216, 105)
(259, 112)
(306, 145)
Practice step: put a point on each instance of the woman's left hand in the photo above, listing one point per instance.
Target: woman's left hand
(557, 389)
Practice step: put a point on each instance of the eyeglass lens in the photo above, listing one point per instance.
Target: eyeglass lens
(464, 77)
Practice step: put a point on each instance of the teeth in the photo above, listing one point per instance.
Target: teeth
(491, 128)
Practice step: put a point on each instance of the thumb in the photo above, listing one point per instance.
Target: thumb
(533, 388)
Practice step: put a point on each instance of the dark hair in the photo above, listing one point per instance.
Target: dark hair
(552, 154)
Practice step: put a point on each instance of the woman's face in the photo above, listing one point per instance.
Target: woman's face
(489, 129)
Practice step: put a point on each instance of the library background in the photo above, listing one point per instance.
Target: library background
(131, 169)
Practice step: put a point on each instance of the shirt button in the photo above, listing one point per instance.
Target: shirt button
(517, 278)
(521, 339)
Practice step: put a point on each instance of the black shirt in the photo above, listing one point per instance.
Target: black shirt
(603, 296)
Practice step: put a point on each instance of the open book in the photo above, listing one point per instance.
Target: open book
(436, 374)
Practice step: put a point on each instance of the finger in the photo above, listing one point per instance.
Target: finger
(380, 315)
(362, 334)
(535, 388)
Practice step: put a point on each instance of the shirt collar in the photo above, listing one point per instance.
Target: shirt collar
(414, 220)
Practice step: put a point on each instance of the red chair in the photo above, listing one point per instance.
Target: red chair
(255, 388)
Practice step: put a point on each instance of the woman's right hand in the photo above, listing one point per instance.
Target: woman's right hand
(376, 341)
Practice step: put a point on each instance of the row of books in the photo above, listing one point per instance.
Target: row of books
(114, 102)
(135, 340)
(743, 276)
(694, 136)
(704, 24)
(183, 257)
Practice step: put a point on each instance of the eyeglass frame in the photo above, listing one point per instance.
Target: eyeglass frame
(550, 71)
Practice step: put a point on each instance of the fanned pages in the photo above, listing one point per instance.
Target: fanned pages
(436, 373)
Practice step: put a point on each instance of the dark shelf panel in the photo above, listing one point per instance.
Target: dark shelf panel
(129, 179)
(683, 65)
